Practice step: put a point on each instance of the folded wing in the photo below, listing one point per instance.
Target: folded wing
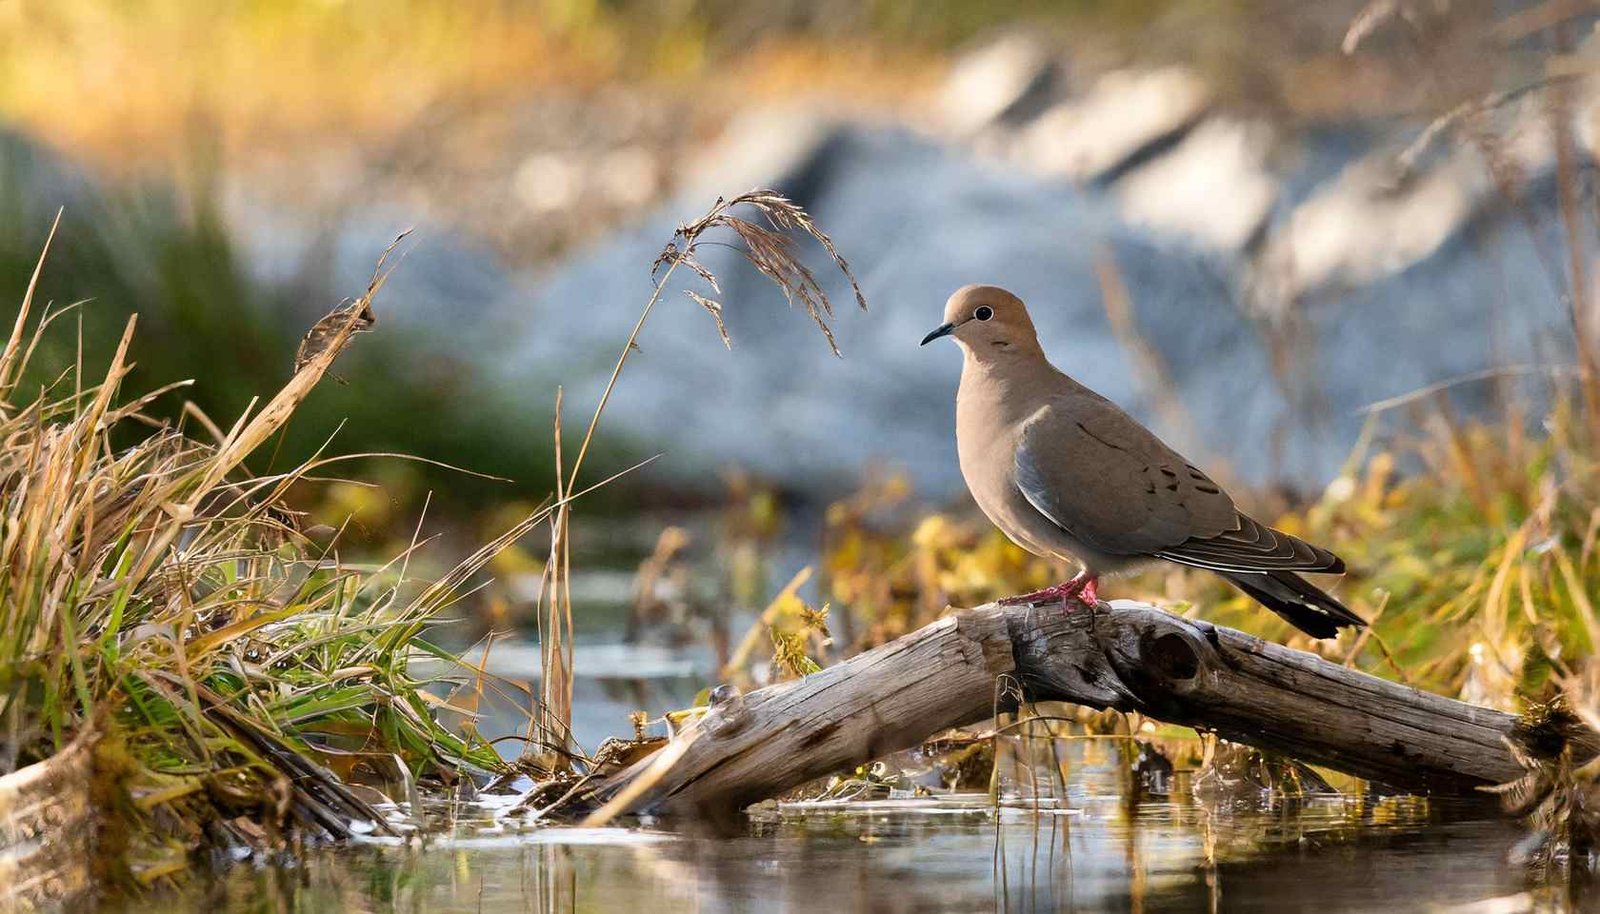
(1114, 486)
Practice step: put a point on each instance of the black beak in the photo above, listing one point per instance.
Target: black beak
(941, 330)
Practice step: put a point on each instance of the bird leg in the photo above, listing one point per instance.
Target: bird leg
(1083, 586)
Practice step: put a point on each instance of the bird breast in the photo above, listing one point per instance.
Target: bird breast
(986, 443)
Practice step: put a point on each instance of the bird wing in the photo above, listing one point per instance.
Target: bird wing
(1113, 485)
(1254, 547)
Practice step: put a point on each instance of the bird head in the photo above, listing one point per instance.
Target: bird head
(986, 319)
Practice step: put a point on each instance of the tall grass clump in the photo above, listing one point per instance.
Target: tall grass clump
(163, 600)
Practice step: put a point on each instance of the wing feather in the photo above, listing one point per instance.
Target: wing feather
(1254, 547)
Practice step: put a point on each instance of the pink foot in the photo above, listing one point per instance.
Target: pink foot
(1089, 593)
(1083, 587)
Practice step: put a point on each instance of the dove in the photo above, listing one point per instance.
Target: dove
(1066, 474)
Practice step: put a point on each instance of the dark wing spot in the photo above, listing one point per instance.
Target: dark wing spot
(1208, 489)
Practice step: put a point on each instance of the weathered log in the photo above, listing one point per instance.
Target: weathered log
(1127, 656)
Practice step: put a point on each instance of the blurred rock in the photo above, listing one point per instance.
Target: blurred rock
(919, 220)
(442, 281)
(1213, 188)
(1002, 80)
(1280, 278)
(1124, 114)
(1368, 224)
(1391, 210)
(754, 147)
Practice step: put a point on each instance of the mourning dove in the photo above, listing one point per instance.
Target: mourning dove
(1066, 474)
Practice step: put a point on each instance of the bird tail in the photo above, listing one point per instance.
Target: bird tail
(1300, 602)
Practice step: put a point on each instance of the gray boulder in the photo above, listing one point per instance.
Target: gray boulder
(917, 220)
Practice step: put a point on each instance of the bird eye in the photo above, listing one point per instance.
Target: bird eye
(983, 313)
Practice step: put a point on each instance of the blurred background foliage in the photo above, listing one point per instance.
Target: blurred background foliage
(142, 77)
(145, 119)
(170, 257)
(177, 134)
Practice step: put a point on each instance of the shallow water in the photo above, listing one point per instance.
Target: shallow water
(1086, 848)
(1153, 860)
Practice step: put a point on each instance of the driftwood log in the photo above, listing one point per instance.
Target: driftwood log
(1127, 656)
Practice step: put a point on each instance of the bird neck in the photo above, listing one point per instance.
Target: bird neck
(1002, 355)
(1006, 386)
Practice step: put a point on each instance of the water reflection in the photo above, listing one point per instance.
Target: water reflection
(1160, 859)
(1070, 841)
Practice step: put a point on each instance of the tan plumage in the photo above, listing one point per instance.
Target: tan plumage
(1065, 473)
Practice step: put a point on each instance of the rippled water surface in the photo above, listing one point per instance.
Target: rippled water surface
(1091, 849)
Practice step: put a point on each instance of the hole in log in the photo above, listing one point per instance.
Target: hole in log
(1172, 657)
(812, 740)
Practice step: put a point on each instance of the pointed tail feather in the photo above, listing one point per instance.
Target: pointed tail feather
(1297, 600)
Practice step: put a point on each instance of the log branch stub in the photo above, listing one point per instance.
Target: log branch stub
(1126, 656)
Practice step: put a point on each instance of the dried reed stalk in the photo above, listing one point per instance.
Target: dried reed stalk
(773, 251)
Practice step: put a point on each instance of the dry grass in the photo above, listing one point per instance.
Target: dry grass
(159, 595)
(770, 249)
